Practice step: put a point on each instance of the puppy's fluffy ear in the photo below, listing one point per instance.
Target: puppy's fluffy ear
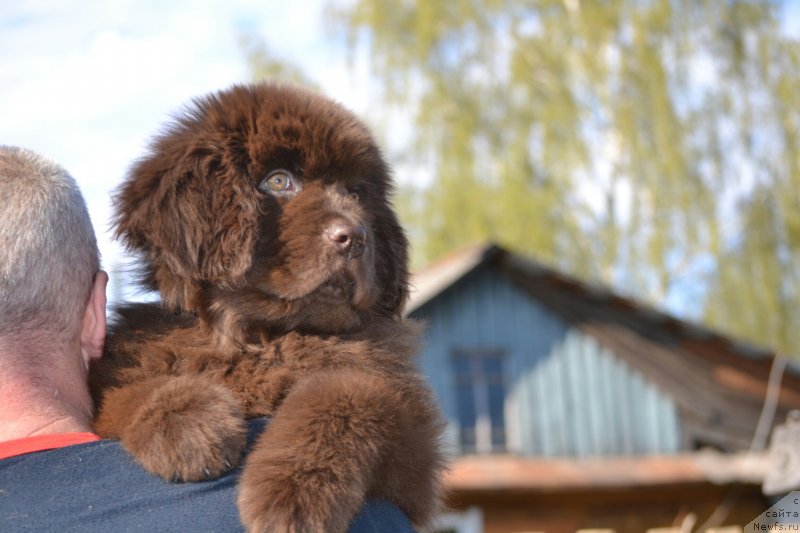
(188, 210)
(392, 263)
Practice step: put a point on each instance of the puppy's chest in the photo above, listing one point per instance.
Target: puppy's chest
(261, 376)
(260, 385)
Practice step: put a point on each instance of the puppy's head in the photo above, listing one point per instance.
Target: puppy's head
(267, 205)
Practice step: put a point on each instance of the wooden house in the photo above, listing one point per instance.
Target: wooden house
(570, 407)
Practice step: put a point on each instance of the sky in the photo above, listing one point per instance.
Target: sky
(88, 83)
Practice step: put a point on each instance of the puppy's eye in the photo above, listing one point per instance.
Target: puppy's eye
(277, 181)
(356, 193)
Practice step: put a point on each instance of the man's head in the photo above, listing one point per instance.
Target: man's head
(48, 251)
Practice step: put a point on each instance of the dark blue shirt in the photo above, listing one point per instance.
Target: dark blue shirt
(96, 487)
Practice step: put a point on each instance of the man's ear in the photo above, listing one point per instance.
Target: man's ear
(93, 329)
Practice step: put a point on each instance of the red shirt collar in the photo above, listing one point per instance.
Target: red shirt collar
(40, 443)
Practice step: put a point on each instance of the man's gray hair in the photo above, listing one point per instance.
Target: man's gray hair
(48, 250)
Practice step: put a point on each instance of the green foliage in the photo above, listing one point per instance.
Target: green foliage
(632, 142)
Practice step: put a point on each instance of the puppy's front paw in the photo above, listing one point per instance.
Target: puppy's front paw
(189, 429)
(277, 495)
(283, 506)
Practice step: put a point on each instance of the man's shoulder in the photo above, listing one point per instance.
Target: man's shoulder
(98, 487)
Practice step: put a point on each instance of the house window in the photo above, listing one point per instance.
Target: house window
(480, 392)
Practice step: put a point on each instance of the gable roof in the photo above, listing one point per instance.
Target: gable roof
(718, 382)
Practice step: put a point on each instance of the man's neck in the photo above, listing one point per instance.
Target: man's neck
(43, 399)
(25, 412)
(20, 429)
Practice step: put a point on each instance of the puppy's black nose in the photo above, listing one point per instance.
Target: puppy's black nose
(348, 238)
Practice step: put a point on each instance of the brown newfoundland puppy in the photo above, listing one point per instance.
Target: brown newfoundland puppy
(262, 216)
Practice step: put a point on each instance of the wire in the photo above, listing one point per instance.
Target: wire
(760, 436)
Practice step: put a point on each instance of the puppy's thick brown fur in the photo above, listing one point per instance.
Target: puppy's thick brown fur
(281, 295)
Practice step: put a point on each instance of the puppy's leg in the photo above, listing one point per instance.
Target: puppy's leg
(409, 473)
(312, 468)
(179, 427)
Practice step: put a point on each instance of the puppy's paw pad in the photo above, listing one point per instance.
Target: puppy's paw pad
(270, 500)
(188, 430)
(261, 515)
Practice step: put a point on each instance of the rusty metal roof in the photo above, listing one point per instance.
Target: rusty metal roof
(442, 274)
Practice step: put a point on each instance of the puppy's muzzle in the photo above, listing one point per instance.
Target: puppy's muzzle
(347, 238)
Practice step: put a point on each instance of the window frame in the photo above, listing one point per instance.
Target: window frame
(480, 381)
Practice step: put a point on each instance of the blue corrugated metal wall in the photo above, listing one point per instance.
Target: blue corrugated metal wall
(566, 395)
